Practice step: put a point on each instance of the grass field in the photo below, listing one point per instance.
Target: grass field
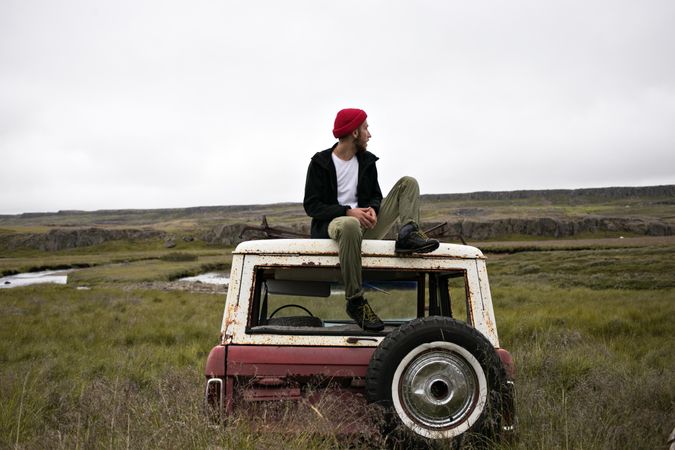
(117, 366)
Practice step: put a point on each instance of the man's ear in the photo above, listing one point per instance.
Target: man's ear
(355, 133)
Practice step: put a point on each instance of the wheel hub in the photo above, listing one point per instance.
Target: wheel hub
(438, 389)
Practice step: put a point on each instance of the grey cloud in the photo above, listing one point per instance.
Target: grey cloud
(160, 104)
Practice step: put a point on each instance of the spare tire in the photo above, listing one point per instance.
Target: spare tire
(437, 378)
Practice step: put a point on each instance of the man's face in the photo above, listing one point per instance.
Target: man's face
(362, 137)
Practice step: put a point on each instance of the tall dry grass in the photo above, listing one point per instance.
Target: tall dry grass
(110, 367)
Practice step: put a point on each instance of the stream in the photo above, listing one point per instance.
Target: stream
(209, 278)
(26, 279)
(61, 277)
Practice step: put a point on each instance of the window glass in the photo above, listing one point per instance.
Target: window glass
(315, 291)
(457, 289)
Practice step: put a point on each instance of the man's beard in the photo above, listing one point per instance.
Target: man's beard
(360, 146)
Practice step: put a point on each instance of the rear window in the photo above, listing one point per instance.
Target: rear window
(312, 299)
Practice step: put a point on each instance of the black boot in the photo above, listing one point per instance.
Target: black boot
(412, 240)
(359, 310)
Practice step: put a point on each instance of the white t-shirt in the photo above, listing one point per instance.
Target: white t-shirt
(347, 179)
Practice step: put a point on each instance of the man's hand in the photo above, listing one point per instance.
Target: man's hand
(366, 216)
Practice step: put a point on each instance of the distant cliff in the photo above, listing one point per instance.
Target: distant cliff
(478, 230)
(557, 213)
(565, 195)
(60, 239)
(549, 227)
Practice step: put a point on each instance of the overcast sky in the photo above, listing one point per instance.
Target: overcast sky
(156, 104)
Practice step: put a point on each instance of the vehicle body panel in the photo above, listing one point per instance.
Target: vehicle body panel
(248, 257)
(251, 366)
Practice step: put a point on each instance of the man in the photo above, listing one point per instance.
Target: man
(343, 198)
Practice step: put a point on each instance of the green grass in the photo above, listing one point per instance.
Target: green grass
(63, 344)
(102, 264)
(594, 366)
(621, 268)
(109, 368)
(149, 270)
(591, 332)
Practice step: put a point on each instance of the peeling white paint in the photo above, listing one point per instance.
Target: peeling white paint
(251, 255)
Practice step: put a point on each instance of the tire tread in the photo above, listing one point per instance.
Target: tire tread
(381, 367)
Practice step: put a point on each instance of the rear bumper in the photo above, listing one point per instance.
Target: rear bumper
(508, 395)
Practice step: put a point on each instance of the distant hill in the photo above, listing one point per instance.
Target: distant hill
(566, 195)
(558, 213)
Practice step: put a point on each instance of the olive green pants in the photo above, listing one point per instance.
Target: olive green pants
(402, 202)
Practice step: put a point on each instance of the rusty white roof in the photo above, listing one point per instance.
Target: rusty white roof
(329, 247)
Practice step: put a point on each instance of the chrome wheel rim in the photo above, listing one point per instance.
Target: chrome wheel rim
(439, 390)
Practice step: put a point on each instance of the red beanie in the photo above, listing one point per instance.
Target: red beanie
(348, 120)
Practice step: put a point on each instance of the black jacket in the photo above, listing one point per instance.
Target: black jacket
(321, 202)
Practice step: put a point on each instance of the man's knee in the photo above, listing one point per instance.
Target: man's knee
(345, 228)
(351, 228)
(409, 183)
